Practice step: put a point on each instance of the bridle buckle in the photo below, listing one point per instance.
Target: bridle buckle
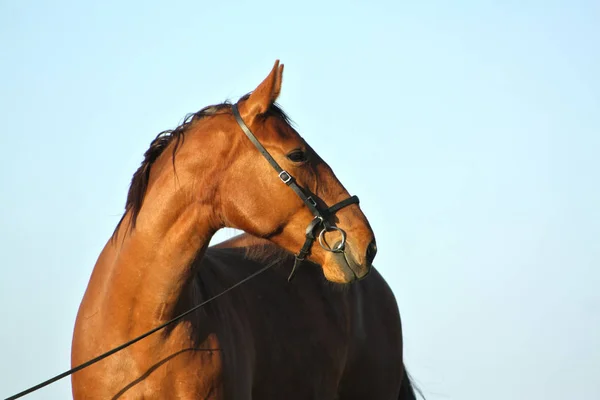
(285, 177)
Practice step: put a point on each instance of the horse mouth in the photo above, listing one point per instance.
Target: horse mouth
(348, 270)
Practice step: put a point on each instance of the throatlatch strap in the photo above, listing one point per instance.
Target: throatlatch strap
(305, 250)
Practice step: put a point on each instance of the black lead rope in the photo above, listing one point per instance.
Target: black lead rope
(321, 216)
(137, 339)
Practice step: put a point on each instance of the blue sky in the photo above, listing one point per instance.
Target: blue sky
(470, 131)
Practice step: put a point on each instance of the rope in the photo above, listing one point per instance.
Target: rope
(137, 339)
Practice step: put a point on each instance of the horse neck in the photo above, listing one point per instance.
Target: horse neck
(150, 264)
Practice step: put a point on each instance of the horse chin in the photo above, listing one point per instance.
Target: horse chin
(338, 270)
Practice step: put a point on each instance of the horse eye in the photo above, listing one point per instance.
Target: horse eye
(297, 156)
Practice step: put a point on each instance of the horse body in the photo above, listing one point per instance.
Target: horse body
(309, 339)
(269, 339)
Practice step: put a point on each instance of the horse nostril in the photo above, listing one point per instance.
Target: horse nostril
(371, 252)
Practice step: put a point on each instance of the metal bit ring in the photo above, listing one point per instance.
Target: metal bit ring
(323, 242)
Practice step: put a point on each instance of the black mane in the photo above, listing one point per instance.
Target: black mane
(139, 181)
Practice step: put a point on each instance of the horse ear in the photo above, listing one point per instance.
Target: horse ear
(264, 95)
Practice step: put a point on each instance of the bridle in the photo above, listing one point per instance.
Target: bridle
(321, 216)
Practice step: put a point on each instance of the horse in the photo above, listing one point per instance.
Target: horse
(329, 334)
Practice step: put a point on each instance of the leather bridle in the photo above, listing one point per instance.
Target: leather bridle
(321, 216)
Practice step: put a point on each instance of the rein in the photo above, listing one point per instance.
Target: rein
(137, 339)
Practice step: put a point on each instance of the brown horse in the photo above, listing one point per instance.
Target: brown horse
(268, 339)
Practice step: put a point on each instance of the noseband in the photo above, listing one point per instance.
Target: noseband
(321, 216)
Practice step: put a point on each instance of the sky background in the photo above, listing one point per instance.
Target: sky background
(469, 129)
